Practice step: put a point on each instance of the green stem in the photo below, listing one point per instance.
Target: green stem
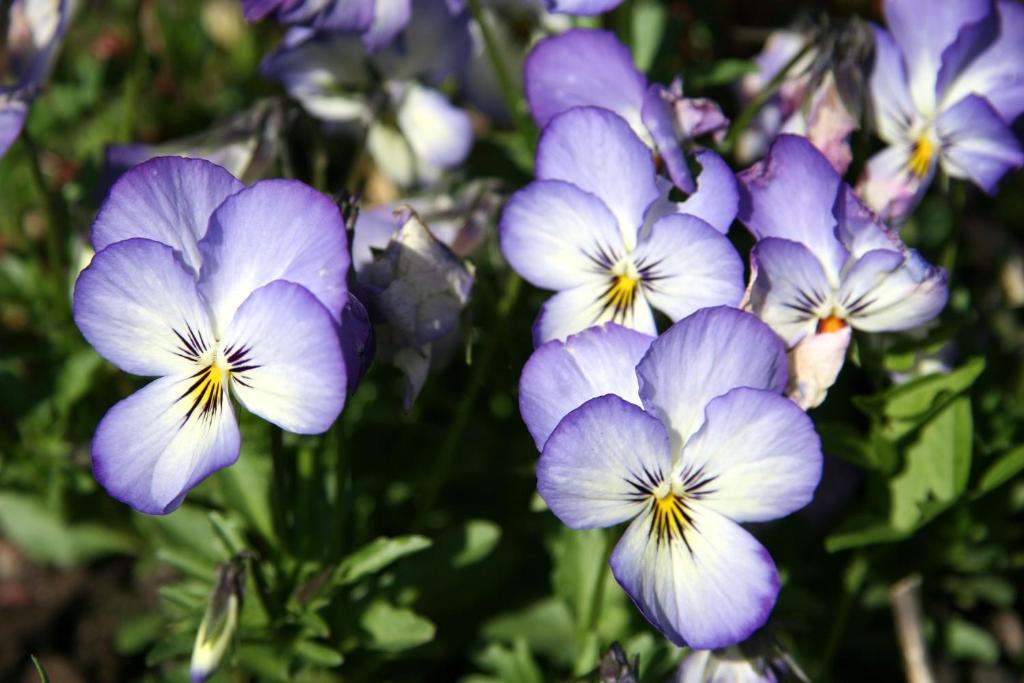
(743, 121)
(478, 380)
(505, 82)
(342, 497)
(853, 581)
(56, 211)
(280, 493)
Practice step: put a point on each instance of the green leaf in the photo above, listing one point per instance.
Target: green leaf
(136, 633)
(904, 407)
(377, 555)
(648, 28)
(721, 72)
(318, 654)
(579, 559)
(870, 534)
(936, 465)
(846, 442)
(1001, 471)
(965, 640)
(511, 665)
(245, 490)
(480, 537)
(75, 378)
(265, 662)
(546, 625)
(393, 629)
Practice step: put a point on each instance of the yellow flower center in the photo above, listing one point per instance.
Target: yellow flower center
(671, 517)
(921, 157)
(620, 295)
(205, 394)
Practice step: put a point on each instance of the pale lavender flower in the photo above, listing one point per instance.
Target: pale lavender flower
(216, 289)
(693, 443)
(377, 22)
(946, 87)
(823, 264)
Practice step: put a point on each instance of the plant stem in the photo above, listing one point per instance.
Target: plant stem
(853, 580)
(280, 494)
(56, 211)
(742, 122)
(508, 89)
(448, 449)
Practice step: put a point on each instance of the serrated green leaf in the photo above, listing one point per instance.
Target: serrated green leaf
(377, 555)
(393, 629)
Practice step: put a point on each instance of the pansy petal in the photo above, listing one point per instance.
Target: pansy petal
(348, 15)
(168, 200)
(586, 8)
(601, 461)
(138, 306)
(887, 291)
(814, 364)
(996, 73)
(790, 194)
(274, 230)
(597, 151)
(760, 452)
(977, 144)
(583, 67)
(790, 289)
(150, 450)
(561, 376)
(389, 18)
(888, 185)
(859, 229)
(286, 361)
(890, 93)
(710, 590)
(704, 356)
(923, 34)
(357, 341)
(12, 118)
(439, 133)
(557, 236)
(717, 199)
(688, 265)
(574, 310)
(657, 119)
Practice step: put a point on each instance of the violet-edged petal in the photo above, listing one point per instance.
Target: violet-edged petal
(923, 34)
(717, 199)
(168, 200)
(814, 365)
(137, 304)
(708, 585)
(704, 356)
(12, 119)
(151, 448)
(561, 376)
(593, 303)
(349, 15)
(790, 194)
(285, 358)
(557, 236)
(888, 185)
(583, 67)
(790, 291)
(357, 341)
(662, 129)
(829, 124)
(389, 18)
(977, 143)
(600, 462)
(996, 73)
(760, 452)
(890, 94)
(597, 151)
(888, 291)
(257, 10)
(274, 230)
(860, 231)
(586, 8)
(435, 44)
(687, 265)
(439, 133)
(972, 39)
(373, 230)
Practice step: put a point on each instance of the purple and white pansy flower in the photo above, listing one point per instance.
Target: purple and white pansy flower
(823, 264)
(214, 288)
(694, 441)
(595, 227)
(583, 8)
(591, 68)
(946, 88)
(412, 131)
(34, 32)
